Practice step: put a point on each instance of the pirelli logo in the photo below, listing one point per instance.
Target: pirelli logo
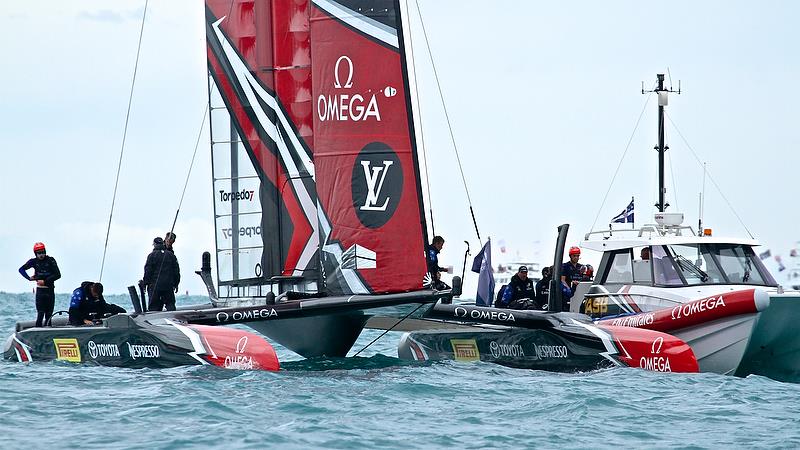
(465, 350)
(67, 350)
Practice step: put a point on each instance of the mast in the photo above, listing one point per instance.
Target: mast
(663, 100)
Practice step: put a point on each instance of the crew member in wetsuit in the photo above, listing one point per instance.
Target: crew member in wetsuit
(543, 288)
(45, 273)
(161, 276)
(432, 257)
(519, 294)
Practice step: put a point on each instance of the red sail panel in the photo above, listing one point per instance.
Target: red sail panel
(364, 153)
(261, 66)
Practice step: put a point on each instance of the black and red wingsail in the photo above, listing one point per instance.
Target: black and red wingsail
(315, 165)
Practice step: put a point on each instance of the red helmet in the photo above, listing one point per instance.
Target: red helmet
(38, 247)
(574, 251)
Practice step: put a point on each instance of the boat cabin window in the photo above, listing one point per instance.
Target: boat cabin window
(620, 271)
(665, 273)
(694, 264)
(642, 267)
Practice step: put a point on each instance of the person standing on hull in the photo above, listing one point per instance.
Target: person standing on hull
(45, 273)
(432, 257)
(519, 294)
(161, 276)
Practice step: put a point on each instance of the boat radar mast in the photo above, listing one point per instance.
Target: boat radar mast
(661, 148)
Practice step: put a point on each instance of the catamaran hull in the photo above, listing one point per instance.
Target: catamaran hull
(560, 342)
(124, 342)
(524, 349)
(322, 326)
(719, 328)
(720, 345)
(773, 349)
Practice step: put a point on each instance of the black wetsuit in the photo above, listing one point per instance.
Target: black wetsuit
(162, 276)
(47, 270)
(542, 292)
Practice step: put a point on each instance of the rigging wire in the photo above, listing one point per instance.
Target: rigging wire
(389, 329)
(713, 181)
(206, 108)
(619, 165)
(421, 133)
(447, 117)
(124, 137)
(191, 164)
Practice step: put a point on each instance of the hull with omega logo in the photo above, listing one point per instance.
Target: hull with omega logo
(142, 341)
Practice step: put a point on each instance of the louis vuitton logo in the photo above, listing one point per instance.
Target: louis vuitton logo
(375, 176)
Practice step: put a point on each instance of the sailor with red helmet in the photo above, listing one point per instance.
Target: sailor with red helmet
(571, 274)
(45, 273)
(571, 270)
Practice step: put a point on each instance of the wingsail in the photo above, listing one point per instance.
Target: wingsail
(316, 175)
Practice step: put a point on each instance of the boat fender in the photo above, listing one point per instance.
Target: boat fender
(761, 300)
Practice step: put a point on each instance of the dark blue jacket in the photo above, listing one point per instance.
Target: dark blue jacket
(43, 269)
(82, 305)
(516, 289)
(432, 256)
(571, 273)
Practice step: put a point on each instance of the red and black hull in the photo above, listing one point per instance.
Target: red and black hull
(561, 342)
(136, 342)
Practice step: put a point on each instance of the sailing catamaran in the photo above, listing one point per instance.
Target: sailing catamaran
(318, 194)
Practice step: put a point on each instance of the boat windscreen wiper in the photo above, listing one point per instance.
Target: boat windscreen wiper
(687, 265)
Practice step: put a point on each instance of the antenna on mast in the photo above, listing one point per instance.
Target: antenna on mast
(663, 100)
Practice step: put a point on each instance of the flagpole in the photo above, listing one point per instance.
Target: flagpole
(633, 225)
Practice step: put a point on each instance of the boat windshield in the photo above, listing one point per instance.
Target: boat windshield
(693, 264)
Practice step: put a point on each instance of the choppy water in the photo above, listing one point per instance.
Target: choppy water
(380, 402)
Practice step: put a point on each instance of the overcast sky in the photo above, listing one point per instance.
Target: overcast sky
(543, 100)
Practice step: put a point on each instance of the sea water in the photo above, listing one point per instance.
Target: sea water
(379, 401)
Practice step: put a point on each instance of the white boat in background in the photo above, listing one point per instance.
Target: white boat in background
(504, 271)
(715, 293)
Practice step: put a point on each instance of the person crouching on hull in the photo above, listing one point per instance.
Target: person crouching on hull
(45, 273)
(88, 304)
(161, 276)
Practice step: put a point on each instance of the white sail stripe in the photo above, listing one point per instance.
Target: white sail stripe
(254, 91)
(350, 277)
(360, 22)
(269, 100)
